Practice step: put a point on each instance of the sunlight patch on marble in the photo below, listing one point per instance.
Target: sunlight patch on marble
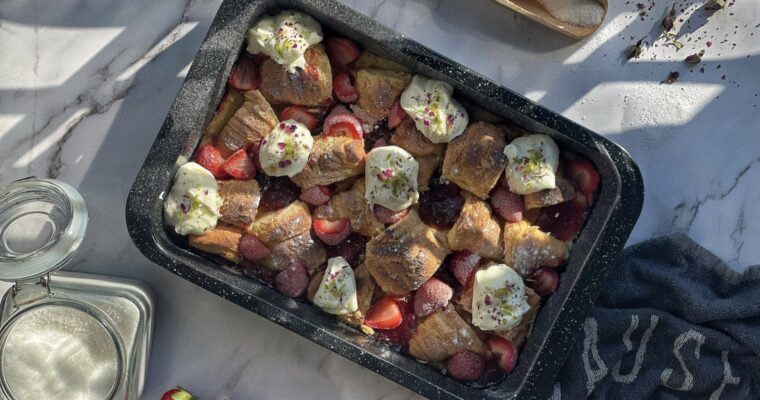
(51, 139)
(8, 122)
(183, 72)
(172, 37)
(77, 46)
(610, 29)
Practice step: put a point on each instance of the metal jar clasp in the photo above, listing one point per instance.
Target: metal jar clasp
(18, 287)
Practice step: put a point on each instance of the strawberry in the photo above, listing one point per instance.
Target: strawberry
(293, 280)
(300, 114)
(210, 158)
(431, 296)
(341, 51)
(384, 314)
(396, 115)
(312, 72)
(245, 74)
(239, 166)
(332, 232)
(343, 89)
(463, 265)
(564, 220)
(253, 153)
(316, 195)
(466, 365)
(177, 394)
(544, 281)
(251, 248)
(340, 121)
(387, 216)
(257, 271)
(504, 352)
(583, 173)
(507, 204)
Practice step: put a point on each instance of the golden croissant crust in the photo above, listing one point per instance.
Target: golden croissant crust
(476, 230)
(526, 248)
(443, 334)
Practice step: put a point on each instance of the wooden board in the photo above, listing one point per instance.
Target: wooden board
(535, 11)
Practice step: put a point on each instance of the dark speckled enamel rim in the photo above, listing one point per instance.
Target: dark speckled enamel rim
(596, 250)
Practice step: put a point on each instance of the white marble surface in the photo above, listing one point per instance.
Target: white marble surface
(84, 88)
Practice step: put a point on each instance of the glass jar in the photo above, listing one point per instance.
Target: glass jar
(64, 335)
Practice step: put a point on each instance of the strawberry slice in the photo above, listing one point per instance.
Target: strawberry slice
(341, 51)
(316, 195)
(432, 296)
(463, 266)
(544, 281)
(293, 280)
(210, 158)
(177, 394)
(583, 173)
(343, 89)
(239, 165)
(504, 352)
(396, 114)
(384, 314)
(347, 123)
(245, 74)
(387, 216)
(466, 365)
(332, 232)
(508, 205)
(300, 114)
(251, 248)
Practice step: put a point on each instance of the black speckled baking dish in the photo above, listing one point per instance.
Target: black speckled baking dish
(558, 321)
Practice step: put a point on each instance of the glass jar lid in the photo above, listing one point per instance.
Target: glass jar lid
(42, 224)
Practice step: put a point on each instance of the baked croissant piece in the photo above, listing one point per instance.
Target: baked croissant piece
(406, 255)
(378, 89)
(476, 229)
(443, 334)
(332, 159)
(310, 86)
(526, 248)
(302, 248)
(520, 332)
(365, 288)
(277, 226)
(475, 160)
(409, 138)
(222, 240)
(240, 200)
(352, 205)
(252, 121)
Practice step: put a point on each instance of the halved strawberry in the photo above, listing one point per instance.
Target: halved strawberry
(340, 121)
(210, 158)
(432, 296)
(239, 165)
(251, 248)
(466, 365)
(341, 51)
(504, 352)
(463, 265)
(583, 173)
(508, 205)
(316, 195)
(245, 74)
(343, 89)
(253, 153)
(300, 114)
(384, 314)
(544, 281)
(396, 114)
(332, 232)
(387, 216)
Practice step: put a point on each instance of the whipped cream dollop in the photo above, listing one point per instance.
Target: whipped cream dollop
(337, 291)
(533, 162)
(192, 205)
(285, 150)
(435, 113)
(285, 38)
(499, 299)
(390, 175)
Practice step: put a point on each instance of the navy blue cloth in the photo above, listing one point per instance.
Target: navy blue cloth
(674, 322)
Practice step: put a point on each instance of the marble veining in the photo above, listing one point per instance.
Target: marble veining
(84, 89)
